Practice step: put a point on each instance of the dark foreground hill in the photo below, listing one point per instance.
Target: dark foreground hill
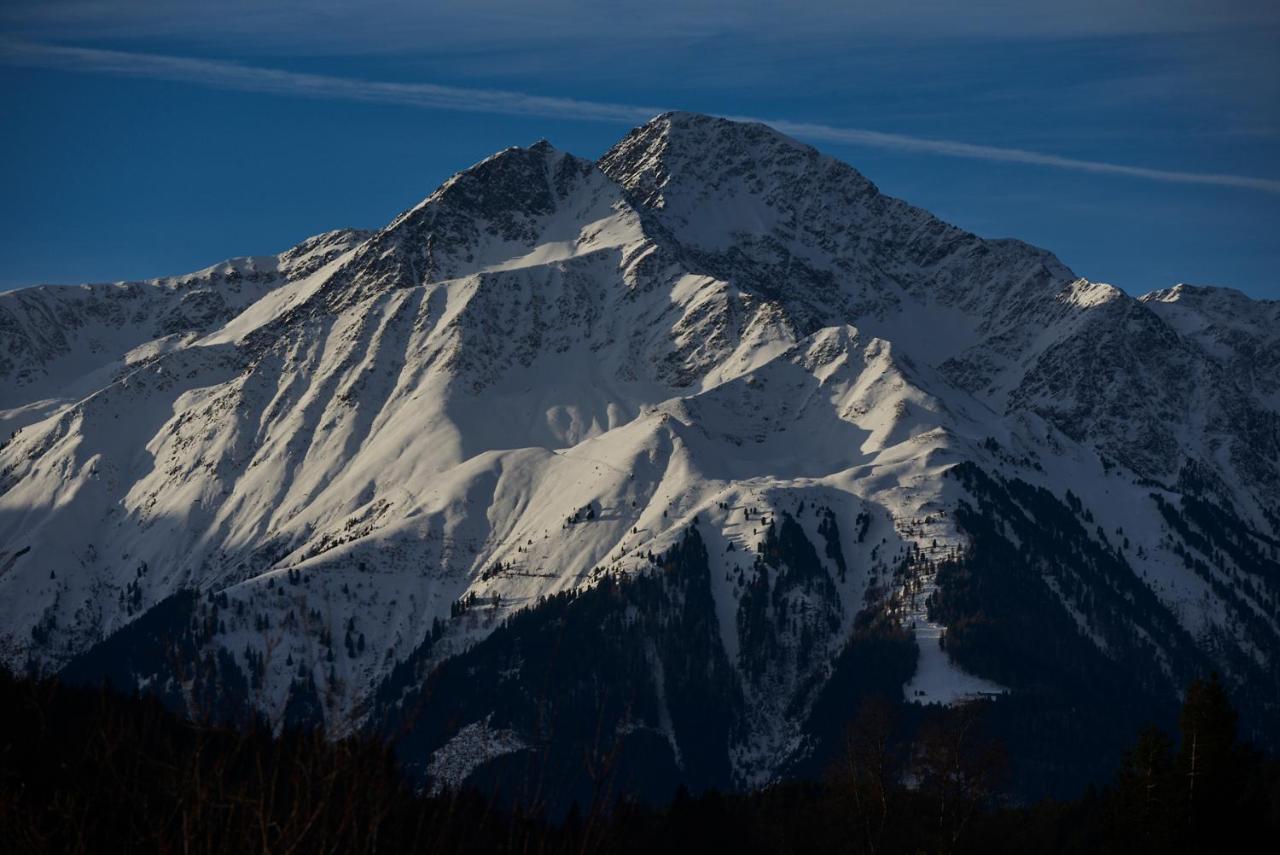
(85, 770)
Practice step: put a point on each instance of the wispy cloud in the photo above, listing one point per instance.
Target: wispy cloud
(971, 151)
(230, 75)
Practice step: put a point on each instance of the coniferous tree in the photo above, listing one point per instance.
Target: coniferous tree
(1208, 725)
(1144, 804)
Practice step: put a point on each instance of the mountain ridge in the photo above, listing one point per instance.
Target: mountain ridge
(552, 372)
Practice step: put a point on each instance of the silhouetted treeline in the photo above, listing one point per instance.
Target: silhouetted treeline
(83, 770)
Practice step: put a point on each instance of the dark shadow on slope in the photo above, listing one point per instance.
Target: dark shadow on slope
(1078, 697)
(623, 687)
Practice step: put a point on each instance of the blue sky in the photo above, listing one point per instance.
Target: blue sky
(1139, 141)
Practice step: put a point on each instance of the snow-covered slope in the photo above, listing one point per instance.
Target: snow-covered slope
(60, 344)
(552, 371)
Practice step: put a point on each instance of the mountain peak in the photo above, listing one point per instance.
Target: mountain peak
(516, 168)
(1200, 294)
(678, 122)
(691, 150)
(510, 168)
(712, 179)
(527, 181)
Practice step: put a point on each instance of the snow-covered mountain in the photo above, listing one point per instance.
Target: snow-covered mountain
(680, 452)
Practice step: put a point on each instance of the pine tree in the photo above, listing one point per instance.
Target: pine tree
(1146, 794)
(1208, 725)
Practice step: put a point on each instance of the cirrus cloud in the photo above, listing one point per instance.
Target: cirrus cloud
(237, 76)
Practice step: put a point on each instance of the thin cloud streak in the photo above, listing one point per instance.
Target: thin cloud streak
(971, 151)
(230, 75)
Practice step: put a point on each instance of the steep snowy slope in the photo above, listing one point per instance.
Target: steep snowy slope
(713, 405)
(61, 344)
(1240, 334)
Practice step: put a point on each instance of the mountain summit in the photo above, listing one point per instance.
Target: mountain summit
(695, 447)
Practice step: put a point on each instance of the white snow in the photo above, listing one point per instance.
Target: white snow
(938, 680)
(473, 745)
